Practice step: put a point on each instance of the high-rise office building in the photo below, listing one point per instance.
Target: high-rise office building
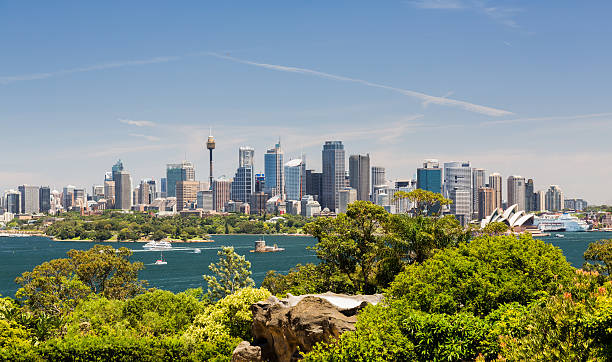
(314, 184)
(295, 179)
(359, 175)
(221, 193)
(346, 197)
(495, 182)
(260, 182)
(516, 191)
(554, 199)
(478, 181)
(458, 176)
(186, 194)
(123, 190)
(274, 171)
(429, 177)
(244, 181)
(163, 187)
(68, 196)
(118, 166)
(378, 178)
(44, 199)
(334, 165)
(29, 199)
(462, 204)
(205, 200)
(13, 201)
(258, 202)
(80, 197)
(529, 196)
(97, 192)
(540, 201)
(176, 172)
(109, 193)
(486, 196)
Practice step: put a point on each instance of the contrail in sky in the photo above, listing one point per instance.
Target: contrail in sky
(426, 98)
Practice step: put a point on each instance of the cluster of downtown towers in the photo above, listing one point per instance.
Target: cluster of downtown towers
(285, 182)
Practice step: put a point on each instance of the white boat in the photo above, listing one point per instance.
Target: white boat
(197, 251)
(157, 245)
(563, 222)
(161, 260)
(559, 235)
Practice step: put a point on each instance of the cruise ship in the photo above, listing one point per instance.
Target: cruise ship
(563, 222)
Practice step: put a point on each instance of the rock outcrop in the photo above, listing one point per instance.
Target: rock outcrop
(284, 328)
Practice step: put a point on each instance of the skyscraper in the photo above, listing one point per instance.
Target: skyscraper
(163, 187)
(334, 165)
(13, 202)
(176, 172)
(118, 166)
(273, 169)
(378, 179)
(458, 176)
(186, 194)
(462, 204)
(554, 198)
(314, 184)
(123, 190)
(205, 200)
(359, 175)
(260, 182)
(529, 196)
(221, 193)
(68, 196)
(244, 182)
(29, 199)
(478, 181)
(429, 177)
(516, 191)
(540, 201)
(295, 179)
(486, 196)
(44, 199)
(109, 193)
(346, 197)
(495, 182)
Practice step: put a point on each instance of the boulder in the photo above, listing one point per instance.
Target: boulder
(282, 329)
(246, 353)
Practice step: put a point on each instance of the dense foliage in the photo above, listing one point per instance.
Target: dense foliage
(115, 225)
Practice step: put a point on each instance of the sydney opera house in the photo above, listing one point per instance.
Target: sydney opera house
(511, 217)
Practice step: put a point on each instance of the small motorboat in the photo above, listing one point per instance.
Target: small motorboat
(197, 251)
(559, 236)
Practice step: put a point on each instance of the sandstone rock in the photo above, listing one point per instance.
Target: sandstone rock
(284, 328)
(244, 352)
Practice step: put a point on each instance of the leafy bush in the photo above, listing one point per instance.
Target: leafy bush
(483, 274)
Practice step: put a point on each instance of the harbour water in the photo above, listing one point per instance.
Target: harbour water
(185, 266)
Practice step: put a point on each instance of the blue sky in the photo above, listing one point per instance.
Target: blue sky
(517, 87)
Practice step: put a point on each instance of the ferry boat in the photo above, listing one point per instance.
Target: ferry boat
(157, 245)
(563, 222)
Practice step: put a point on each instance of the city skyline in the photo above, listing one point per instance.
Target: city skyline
(151, 96)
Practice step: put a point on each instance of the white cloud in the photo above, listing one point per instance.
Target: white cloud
(146, 137)
(138, 123)
(37, 76)
(425, 98)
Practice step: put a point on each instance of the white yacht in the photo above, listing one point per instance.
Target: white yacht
(157, 245)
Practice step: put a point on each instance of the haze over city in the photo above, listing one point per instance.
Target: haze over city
(508, 86)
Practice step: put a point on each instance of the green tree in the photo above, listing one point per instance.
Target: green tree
(231, 273)
(495, 228)
(479, 276)
(353, 242)
(598, 257)
(159, 235)
(426, 202)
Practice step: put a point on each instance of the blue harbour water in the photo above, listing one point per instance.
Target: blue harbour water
(185, 268)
